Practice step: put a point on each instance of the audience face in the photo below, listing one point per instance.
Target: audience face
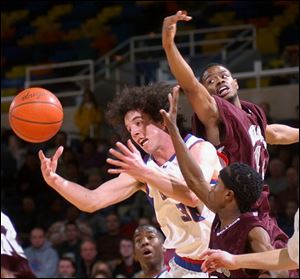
(37, 238)
(112, 223)
(88, 251)
(126, 248)
(66, 268)
(101, 267)
(72, 232)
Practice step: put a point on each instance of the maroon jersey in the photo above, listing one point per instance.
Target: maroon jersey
(12, 255)
(234, 239)
(242, 133)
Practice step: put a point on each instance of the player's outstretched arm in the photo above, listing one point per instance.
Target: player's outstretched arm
(128, 160)
(203, 104)
(270, 260)
(281, 134)
(198, 164)
(108, 193)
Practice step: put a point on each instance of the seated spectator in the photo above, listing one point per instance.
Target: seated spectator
(101, 267)
(88, 256)
(66, 268)
(277, 180)
(128, 267)
(88, 116)
(42, 258)
(286, 220)
(71, 246)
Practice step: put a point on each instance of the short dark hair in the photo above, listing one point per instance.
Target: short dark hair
(245, 182)
(210, 65)
(148, 99)
(151, 228)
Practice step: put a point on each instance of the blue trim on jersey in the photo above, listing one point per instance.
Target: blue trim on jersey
(213, 181)
(187, 264)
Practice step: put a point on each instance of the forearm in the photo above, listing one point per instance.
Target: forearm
(190, 169)
(281, 134)
(270, 260)
(171, 187)
(76, 194)
(180, 68)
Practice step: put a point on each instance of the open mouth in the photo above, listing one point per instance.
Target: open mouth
(143, 141)
(223, 90)
(147, 252)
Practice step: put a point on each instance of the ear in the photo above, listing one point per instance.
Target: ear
(236, 83)
(229, 196)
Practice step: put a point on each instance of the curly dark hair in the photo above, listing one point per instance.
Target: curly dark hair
(147, 99)
(245, 182)
(210, 65)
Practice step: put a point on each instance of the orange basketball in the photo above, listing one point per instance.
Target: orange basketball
(35, 115)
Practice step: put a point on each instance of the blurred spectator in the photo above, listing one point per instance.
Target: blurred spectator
(71, 246)
(54, 212)
(17, 149)
(267, 109)
(90, 158)
(101, 267)
(291, 192)
(286, 221)
(128, 267)
(60, 139)
(66, 268)
(276, 180)
(108, 245)
(56, 233)
(94, 179)
(88, 116)
(88, 256)
(27, 219)
(43, 259)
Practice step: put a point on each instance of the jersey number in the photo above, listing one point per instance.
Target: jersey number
(189, 213)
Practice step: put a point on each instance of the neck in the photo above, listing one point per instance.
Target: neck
(164, 152)
(152, 270)
(235, 101)
(128, 260)
(228, 217)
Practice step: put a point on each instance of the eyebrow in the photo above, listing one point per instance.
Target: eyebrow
(221, 72)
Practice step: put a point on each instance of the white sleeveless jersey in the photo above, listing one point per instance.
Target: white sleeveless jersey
(186, 230)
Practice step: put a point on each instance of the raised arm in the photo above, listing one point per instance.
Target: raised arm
(202, 103)
(281, 134)
(198, 166)
(129, 161)
(110, 192)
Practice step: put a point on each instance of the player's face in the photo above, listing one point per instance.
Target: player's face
(218, 81)
(148, 247)
(144, 131)
(217, 194)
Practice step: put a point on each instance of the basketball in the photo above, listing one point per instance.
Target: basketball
(35, 115)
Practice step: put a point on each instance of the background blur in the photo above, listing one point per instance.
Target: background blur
(87, 51)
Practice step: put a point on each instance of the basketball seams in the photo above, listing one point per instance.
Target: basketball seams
(35, 122)
(36, 102)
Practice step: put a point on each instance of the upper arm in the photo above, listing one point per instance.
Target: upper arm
(259, 240)
(271, 136)
(114, 191)
(203, 104)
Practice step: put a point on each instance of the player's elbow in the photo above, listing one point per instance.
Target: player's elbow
(193, 200)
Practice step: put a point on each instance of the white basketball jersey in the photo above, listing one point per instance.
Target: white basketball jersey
(186, 230)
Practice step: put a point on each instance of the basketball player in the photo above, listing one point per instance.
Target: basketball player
(235, 228)
(183, 218)
(149, 251)
(237, 128)
(286, 258)
(14, 263)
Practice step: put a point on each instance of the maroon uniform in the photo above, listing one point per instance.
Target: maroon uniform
(234, 239)
(12, 255)
(242, 134)
(242, 139)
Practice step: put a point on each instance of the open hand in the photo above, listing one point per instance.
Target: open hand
(169, 26)
(129, 160)
(170, 118)
(49, 165)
